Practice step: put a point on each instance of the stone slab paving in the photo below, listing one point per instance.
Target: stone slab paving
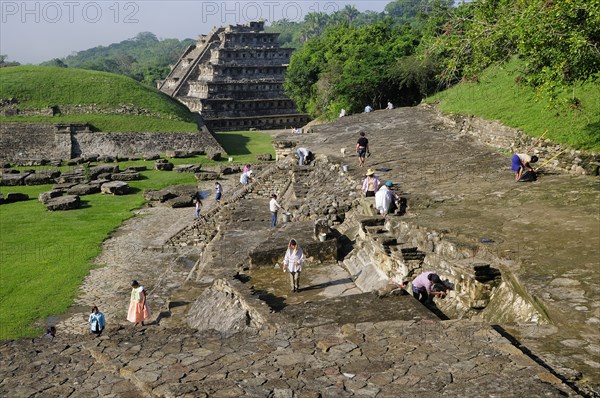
(548, 230)
(383, 359)
(324, 346)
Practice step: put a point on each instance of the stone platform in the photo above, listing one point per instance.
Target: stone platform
(330, 339)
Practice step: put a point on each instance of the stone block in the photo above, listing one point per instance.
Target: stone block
(127, 176)
(213, 155)
(158, 196)
(207, 176)
(94, 171)
(38, 179)
(163, 165)
(12, 180)
(13, 197)
(83, 189)
(180, 201)
(137, 168)
(68, 202)
(264, 157)
(178, 154)
(154, 156)
(227, 170)
(187, 168)
(115, 188)
(44, 197)
(106, 159)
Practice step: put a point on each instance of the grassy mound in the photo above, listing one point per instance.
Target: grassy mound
(116, 98)
(497, 96)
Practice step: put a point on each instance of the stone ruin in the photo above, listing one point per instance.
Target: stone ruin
(233, 77)
(228, 326)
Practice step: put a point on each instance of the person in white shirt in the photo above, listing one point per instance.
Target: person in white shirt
(342, 112)
(292, 263)
(390, 105)
(245, 177)
(274, 206)
(302, 155)
(385, 199)
(368, 109)
(521, 162)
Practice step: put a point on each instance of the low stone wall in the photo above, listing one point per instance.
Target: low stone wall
(394, 251)
(228, 307)
(22, 141)
(495, 134)
(144, 143)
(25, 141)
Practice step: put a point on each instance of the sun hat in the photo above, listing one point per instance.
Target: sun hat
(388, 184)
(370, 172)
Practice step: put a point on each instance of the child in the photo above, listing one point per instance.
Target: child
(198, 204)
(219, 192)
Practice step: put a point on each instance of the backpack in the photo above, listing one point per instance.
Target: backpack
(528, 176)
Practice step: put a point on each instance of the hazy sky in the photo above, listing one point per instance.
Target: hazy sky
(37, 31)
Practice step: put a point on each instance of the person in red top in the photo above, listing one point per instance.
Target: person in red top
(362, 149)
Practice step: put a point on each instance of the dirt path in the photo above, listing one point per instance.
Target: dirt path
(138, 250)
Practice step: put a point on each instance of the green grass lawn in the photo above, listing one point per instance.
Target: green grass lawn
(498, 97)
(44, 255)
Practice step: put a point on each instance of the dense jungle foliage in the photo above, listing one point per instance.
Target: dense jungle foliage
(414, 48)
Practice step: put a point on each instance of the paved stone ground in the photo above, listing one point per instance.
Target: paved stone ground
(550, 229)
(321, 347)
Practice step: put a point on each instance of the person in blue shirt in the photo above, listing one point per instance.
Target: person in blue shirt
(96, 321)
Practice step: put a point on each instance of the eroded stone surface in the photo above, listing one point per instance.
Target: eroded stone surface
(308, 343)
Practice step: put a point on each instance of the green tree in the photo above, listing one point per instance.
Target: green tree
(4, 63)
(558, 40)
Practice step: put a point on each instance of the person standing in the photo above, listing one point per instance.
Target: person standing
(198, 205)
(218, 192)
(362, 148)
(274, 207)
(139, 310)
(370, 184)
(292, 263)
(96, 321)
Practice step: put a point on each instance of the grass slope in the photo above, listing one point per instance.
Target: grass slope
(37, 87)
(44, 256)
(496, 96)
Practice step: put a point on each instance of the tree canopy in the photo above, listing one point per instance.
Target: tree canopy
(349, 59)
(144, 57)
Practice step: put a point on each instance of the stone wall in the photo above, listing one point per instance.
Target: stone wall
(144, 143)
(21, 141)
(25, 141)
(495, 134)
(394, 251)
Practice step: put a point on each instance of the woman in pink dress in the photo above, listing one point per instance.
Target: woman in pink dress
(139, 311)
